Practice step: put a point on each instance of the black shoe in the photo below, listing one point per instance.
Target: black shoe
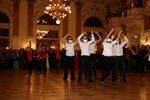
(64, 79)
(73, 79)
(79, 81)
(101, 83)
(57, 72)
(90, 81)
(114, 83)
(124, 80)
(29, 73)
(85, 78)
(96, 77)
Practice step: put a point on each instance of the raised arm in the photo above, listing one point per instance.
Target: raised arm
(125, 40)
(117, 39)
(100, 38)
(119, 35)
(65, 38)
(109, 33)
(79, 37)
(133, 52)
(112, 37)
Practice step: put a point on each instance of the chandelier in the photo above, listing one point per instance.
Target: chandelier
(41, 34)
(58, 9)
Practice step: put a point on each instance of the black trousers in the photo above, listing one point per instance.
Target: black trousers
(108, 65)
(85, 66)
(148, 66)
(69, 62)
(120, 63)
(38, 65)
(29, 64)
(44, 66)
(57, 65)
(132, 64)
(93, 64)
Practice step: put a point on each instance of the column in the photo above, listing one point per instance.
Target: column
(65, 26)
(16, 17)
(30, 34)
(15, 23)
(30, 18)
(78, 18)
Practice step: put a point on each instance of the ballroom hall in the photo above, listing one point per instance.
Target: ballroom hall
(65, 49)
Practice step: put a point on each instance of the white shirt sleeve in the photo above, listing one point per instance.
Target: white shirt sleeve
(112, 37)
(104, 41)
(124, 42)
(114, 42)
(80, 38)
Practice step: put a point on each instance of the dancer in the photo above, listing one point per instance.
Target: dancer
(29, 58)
(44, 58)
(108, 58)
(85, 56)
(69, 59)
(133, 58)
(118, 53)
(38, 60)
(93, 53)
(57, 58)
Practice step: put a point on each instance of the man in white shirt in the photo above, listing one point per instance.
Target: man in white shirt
(93, 53)
(118, 54)
(85, 56)
(69, 59)
(108, 58)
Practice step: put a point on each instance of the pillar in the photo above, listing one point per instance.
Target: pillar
(78, 18)
(30, 18)
(30, 34)
(65, 26)
(15, 23)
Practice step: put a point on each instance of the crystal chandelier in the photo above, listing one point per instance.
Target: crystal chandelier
(41, 34)
(58, 9)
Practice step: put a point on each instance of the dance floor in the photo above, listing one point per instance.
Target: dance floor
(16, 85)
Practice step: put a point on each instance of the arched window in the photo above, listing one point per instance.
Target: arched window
(46, 20)
(4, 30)
(3, 18)
(93, 22)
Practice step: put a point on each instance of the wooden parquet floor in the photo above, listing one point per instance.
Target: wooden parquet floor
(16, 85)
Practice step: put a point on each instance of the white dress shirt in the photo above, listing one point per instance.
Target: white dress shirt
(70, 49)
(92, 47)
(108, 48)
(84, 46)
(118, 48)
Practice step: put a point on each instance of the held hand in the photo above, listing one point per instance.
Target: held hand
(91, 31)
(96, 33)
